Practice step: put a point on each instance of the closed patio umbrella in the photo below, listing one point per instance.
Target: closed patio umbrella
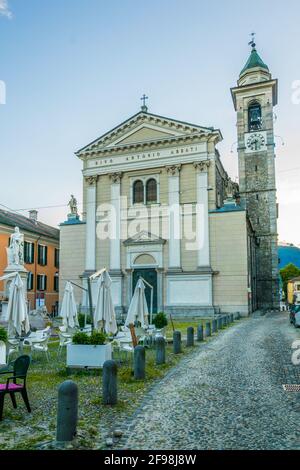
(17, 312)
(68, 308)
(138, 308)
(104, 310)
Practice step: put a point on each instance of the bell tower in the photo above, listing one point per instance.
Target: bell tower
(254, 98)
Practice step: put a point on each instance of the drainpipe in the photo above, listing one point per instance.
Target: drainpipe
(35, 269)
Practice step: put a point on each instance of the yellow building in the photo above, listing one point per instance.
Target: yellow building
(293, 290)
(41, 257)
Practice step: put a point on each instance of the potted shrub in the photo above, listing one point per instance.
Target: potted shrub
(88, 350)
(3, 334)
(160, 321)
(82, 323)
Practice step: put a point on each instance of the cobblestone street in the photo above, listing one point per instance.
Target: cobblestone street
(227, 394)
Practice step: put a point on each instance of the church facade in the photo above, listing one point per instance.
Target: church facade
(158, 204)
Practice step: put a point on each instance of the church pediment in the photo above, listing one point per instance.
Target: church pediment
(144, 128)
(143, 238)
(144, 133)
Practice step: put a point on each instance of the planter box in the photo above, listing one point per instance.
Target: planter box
(87, 355)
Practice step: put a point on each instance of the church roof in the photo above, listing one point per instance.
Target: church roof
(24, 223)
(254, 61)
(173, 128)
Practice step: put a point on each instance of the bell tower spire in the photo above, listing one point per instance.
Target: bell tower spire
(254, 98)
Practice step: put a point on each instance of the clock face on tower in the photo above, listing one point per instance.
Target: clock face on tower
(255, 142)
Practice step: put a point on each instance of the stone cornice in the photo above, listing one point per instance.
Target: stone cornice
(149, 145)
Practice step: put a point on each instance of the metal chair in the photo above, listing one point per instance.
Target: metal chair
(64, 339)
(41, 345)
(13, 346)
(12, 385)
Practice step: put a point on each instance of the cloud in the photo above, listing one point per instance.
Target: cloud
(4, 9)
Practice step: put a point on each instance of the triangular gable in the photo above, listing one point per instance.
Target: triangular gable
(144, 238)
(145, 134)
(144, 127)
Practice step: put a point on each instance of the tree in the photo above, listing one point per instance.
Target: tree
(288, 272)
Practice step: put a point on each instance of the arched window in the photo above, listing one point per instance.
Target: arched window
(151, 191)
(138, 192)
(254, 117)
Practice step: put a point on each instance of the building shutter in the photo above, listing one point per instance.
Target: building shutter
(32, 252)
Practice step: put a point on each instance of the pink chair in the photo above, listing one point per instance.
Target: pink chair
(12, 385)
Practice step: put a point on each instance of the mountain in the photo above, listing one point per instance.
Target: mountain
(288, 254)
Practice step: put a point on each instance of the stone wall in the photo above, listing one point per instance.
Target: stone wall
(72, 257)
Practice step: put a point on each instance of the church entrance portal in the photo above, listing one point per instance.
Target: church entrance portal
(150, 275)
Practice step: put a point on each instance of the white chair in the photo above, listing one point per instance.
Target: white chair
(125, 345)
(41, 345)
(13, 346)
(2, 353)
(64, 339)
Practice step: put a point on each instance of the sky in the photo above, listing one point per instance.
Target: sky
(74, 69)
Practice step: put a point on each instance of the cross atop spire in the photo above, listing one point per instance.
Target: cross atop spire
(143, 99)
(252, 42)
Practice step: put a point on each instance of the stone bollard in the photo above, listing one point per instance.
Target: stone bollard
(200, 336)
(139, 362)
(208, 329)
(190, 337)
(109, 383)
(177, 342)
(160, 346)
(214, 326)
(67, 411)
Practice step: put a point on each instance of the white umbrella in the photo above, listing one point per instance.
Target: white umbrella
(138, 308)
(17, 312)
(68, 309)
(104, 309)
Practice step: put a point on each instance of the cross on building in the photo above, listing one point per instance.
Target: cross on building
(143, 99)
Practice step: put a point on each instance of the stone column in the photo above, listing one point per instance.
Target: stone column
(202, 223)
(174, 217)
(90, 253)
(115, 241)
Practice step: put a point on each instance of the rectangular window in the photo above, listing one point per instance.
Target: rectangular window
(56, 282)
(28, 253)
(56, 258)
(41, 282)
(42, 255)
(30, 281)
